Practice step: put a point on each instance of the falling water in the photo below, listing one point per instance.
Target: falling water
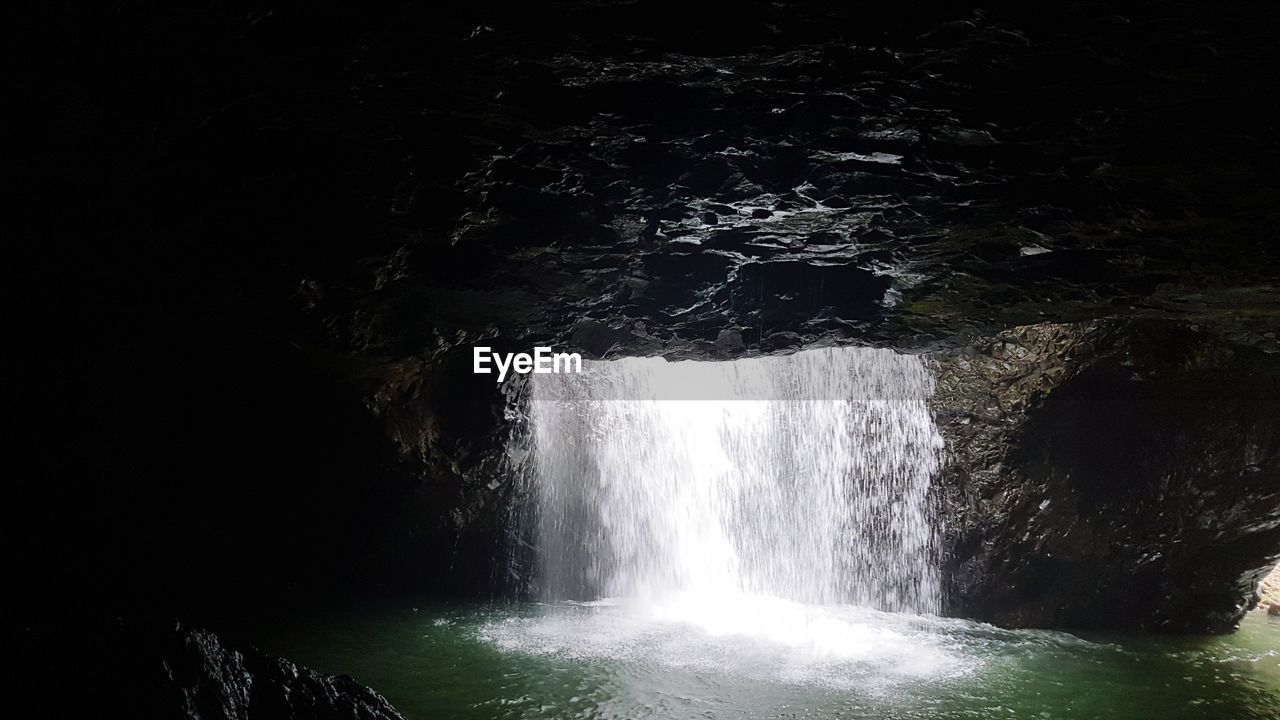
(802, 478)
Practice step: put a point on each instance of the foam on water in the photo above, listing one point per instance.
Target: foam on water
(761, 638)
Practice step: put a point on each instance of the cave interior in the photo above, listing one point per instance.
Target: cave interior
(263, 241)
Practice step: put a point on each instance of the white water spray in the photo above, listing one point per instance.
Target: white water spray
(802, 478)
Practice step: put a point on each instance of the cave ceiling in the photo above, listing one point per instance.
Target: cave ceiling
(755, 179)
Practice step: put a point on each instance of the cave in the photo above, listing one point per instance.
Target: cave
(925, 361)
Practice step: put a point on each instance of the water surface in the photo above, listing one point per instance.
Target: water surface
(773, 659)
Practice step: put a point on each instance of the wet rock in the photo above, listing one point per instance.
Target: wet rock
(902, 156)
(146, 670)
(1110, 475)
(204, 679)
(1269, 591)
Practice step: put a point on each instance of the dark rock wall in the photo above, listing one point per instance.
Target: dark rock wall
(1122, 475)
(788, 173)
(456, 506)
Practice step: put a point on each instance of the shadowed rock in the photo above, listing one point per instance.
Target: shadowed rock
(151, 671)
(1110, 475)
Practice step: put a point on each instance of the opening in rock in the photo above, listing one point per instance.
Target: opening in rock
(778, 500)
(803, 477)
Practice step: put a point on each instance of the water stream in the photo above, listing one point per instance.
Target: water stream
(769, 518)
(801, 478)
(756, 540)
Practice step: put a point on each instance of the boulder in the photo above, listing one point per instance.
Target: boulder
(171, 670)
(1109, 475)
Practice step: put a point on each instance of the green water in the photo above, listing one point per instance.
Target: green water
(567, 661)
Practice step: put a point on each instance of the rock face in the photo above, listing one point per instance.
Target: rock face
(622, 187)
(453, 510)
(1269, 591)
(206, 680)
(1112, 475)
(181, 672)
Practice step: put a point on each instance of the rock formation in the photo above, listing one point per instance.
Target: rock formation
(1122, 475)
(1269, 592)
(146, 670)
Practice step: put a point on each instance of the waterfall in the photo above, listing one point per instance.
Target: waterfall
(803, 478)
